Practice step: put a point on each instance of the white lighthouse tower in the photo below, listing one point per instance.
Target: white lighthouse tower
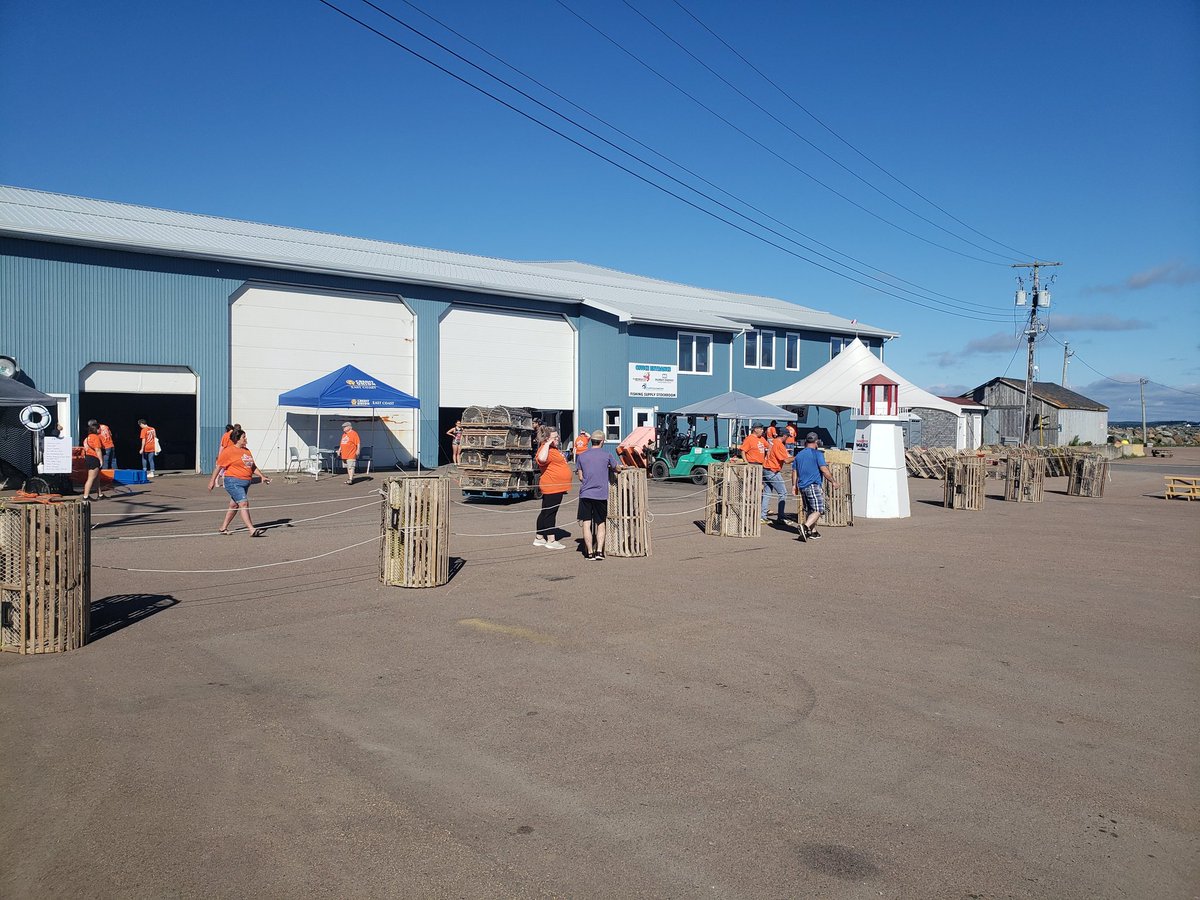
(878, 471)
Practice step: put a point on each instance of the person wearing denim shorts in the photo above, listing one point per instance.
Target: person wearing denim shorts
(237, 466)
(811, 469)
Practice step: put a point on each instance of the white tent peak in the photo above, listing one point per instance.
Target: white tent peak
(838, 383)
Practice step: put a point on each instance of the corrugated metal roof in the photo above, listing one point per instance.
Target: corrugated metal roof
(634, 298)
(1054, 394)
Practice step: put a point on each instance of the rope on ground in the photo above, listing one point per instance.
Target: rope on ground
(198, 512)
(163, 537)
(286, 562)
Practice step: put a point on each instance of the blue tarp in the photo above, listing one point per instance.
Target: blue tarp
(348, 388)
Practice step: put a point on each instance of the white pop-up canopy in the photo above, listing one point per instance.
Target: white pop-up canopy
(838, 384)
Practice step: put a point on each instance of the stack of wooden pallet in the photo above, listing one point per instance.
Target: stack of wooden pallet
(497, 449)
(928, 462)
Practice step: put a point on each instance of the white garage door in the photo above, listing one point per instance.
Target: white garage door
(285, 337)
(494, 358)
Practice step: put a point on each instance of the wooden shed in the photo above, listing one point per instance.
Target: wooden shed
(1061, 416)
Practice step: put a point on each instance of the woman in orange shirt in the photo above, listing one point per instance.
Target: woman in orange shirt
(93, 451)
(236, 463)
(554, 482)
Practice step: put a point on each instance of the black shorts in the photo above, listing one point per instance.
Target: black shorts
(592, 510)
(91, 462)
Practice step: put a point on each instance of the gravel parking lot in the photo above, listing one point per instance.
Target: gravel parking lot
(962, 705)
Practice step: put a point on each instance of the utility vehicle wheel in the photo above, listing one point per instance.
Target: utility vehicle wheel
(659, 470)
(699, 475)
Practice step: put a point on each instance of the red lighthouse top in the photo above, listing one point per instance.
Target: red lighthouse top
(880, 397)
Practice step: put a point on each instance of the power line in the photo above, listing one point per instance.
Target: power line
(824, 125)
(769, 150)
(1075, 355)
(985, 307)
(801, 137)
(942, 307)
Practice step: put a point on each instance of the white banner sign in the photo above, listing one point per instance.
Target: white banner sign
(651, 380)
(56, 456)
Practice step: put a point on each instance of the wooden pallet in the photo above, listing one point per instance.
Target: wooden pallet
(45, 576)
(627, 530)
(415, 550)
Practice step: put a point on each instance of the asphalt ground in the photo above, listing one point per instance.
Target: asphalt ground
(961, 704)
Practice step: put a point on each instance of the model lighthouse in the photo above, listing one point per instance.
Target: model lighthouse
(878, 471)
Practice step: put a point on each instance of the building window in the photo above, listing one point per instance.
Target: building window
(791, 352)
(612, 424)
(838, 344)
(643, 415)
(695, 353)
(760, 350)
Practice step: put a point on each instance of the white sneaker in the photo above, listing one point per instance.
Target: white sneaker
(539, 542)
(555, 545)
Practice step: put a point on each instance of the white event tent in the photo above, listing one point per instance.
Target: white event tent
(837, 385)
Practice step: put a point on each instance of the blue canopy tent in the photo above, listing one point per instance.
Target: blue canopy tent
(350, 388)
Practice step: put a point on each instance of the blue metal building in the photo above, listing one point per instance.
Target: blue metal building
(193, 321)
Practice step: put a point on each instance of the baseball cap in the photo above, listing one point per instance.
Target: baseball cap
(347, 425)
(598, 435)
(811, 438)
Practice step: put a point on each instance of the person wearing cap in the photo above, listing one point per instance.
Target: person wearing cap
(776, 457)
(348, 450)
(593, 467)
(810, 468)
(754, 447)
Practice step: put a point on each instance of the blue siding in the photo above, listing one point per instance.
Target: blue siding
(65, 307)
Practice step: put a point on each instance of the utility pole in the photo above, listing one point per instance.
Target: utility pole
(1067, 354)
(1142, 391)
(1039, 300)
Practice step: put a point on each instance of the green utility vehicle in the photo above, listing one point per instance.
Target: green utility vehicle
(683, 452)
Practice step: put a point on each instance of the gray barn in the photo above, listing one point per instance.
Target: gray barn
(1060, 415)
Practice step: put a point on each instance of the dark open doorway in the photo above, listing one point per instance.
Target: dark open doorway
(173, 416)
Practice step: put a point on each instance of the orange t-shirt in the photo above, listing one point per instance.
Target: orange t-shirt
(225, 441)
(754, 449)
(777, 455)
(771, 432)
(556, 474)
(583, 442)
(236, 461)
(148, 436)
(350, 444)
(92, 446)
(106, 440)
(790, 437)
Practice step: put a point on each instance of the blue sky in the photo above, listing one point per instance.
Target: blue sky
(1066, 131)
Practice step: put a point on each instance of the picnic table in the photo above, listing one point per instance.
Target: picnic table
(1184, 487)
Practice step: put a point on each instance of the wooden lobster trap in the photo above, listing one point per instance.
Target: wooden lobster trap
(965, 479)
(502, 416)
(1025, 477)
(495, 437)
(1088, 475)
(733, 505)
(45, 576)
(839, 509)
(415, 550)
(497, 460)
(627, 531)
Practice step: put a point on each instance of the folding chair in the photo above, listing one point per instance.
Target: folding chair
(365, 455)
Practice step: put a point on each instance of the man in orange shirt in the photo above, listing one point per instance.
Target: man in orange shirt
(777, 455)
(349, 450)
(149, 444)
(582, 442)
(754, 447)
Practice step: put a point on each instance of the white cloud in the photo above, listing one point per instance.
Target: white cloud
(1175, 273)
(1162, 401)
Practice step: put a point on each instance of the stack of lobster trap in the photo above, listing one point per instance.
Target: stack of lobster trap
(496, 452)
